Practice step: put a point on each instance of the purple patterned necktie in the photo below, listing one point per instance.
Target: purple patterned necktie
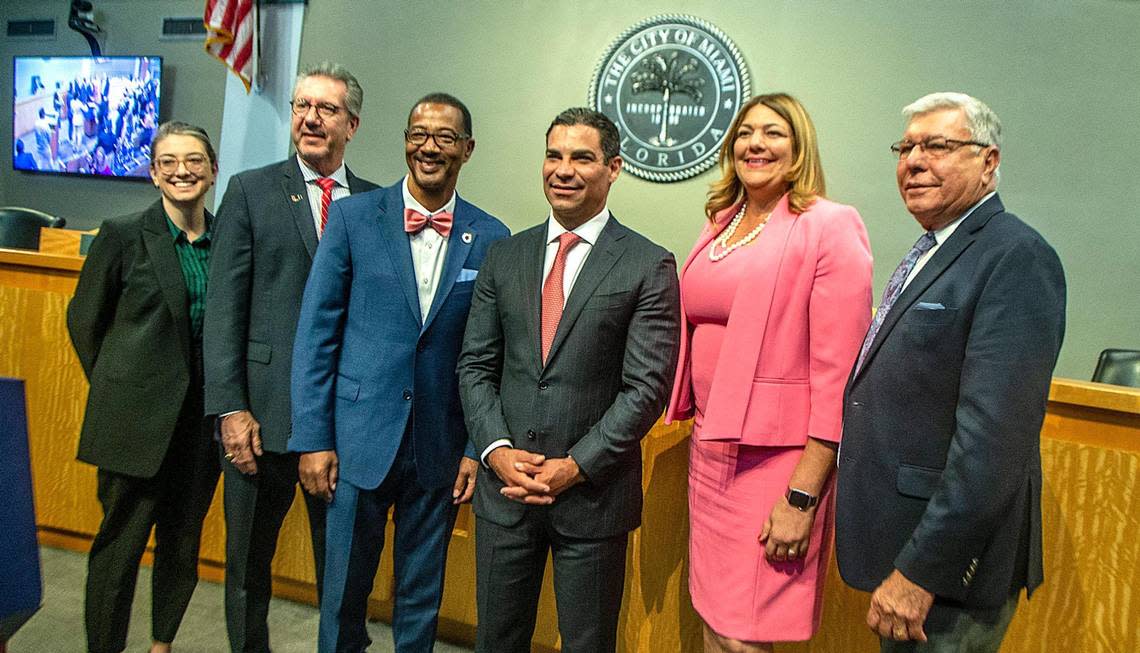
(893, 290)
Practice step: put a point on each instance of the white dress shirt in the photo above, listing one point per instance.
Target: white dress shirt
(940, 237)
(588, 231)
(313, 189)
(429, 251)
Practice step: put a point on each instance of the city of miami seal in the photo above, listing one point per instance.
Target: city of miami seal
(672, 84)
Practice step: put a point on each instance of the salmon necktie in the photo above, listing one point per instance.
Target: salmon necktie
(553, 297)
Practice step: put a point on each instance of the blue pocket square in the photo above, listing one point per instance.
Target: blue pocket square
(929, 306)
(466, 275)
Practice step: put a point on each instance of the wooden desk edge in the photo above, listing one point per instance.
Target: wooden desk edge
(28, 258)
(1115, 398)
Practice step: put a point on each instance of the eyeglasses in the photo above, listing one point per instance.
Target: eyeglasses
(935, 147)
(443, 137)
(325, 111)
(195, 164)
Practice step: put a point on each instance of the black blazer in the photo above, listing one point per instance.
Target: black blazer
(940, 467)
(130, 324)
(266, 238)
(605, 383)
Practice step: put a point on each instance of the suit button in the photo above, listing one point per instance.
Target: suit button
(530, 435)
(542, 385)
(407, 395)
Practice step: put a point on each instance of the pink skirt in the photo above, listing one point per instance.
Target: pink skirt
(734, 588)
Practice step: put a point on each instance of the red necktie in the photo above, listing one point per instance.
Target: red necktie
(326, 184)
(414, 222)
(553, 297)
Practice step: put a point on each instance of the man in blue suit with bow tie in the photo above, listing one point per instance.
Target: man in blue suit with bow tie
(376, 412)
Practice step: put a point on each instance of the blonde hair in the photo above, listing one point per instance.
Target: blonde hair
(805, 177)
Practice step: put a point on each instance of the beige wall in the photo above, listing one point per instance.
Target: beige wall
(193, 86)
(1062, 75)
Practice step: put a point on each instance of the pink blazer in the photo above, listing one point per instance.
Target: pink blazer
(793, 332)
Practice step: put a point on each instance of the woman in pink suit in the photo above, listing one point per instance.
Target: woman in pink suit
(776, 297)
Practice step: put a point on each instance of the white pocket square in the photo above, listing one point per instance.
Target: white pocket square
(929, 306)
(466, 275)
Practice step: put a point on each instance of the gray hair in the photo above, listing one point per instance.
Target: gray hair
(983, 123)
(354, 98)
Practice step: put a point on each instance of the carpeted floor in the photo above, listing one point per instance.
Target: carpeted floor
(58, 626)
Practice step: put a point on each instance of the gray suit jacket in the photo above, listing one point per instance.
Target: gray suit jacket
(605, 383)
(265, 241)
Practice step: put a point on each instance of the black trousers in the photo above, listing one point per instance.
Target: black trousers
(589, 579)
(173, 502)
(255, 508)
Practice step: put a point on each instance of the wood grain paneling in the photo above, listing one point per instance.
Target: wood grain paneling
(1091, 502)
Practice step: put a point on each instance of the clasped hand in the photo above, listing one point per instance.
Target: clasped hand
(532, 478)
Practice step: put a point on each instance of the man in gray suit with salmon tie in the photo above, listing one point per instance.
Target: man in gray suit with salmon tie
(269, 223)
(567, 359)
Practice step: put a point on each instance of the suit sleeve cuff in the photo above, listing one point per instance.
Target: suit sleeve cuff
(939, 575)
(501, 442)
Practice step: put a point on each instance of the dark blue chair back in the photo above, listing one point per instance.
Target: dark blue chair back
(1118, 367)
(20, 227)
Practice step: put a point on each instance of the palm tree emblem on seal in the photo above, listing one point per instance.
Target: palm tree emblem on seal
(668, 74)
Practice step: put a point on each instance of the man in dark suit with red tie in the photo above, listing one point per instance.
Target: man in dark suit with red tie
(269, 223)
(567, 361)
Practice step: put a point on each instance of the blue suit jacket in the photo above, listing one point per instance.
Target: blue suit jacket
(364, 362)
(940, 468)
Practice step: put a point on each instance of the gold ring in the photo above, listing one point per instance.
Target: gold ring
(792, 552)
(229, 456)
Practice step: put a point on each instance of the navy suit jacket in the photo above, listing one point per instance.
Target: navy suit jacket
(940, 467)
(364, 362)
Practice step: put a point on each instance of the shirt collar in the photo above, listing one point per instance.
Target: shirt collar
(587, 231)
(411, 202)
(180, 236)
(944, 233)
(340, 175)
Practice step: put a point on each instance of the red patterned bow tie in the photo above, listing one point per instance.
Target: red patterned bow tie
(414, 222)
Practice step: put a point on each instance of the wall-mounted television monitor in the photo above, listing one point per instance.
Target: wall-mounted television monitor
(85, 115)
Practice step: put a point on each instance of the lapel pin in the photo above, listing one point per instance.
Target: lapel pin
(295, 198)
(467, 237)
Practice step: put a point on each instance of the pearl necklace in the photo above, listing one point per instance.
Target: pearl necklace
(730, 231)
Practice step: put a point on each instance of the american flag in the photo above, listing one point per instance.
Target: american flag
(231, 29)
